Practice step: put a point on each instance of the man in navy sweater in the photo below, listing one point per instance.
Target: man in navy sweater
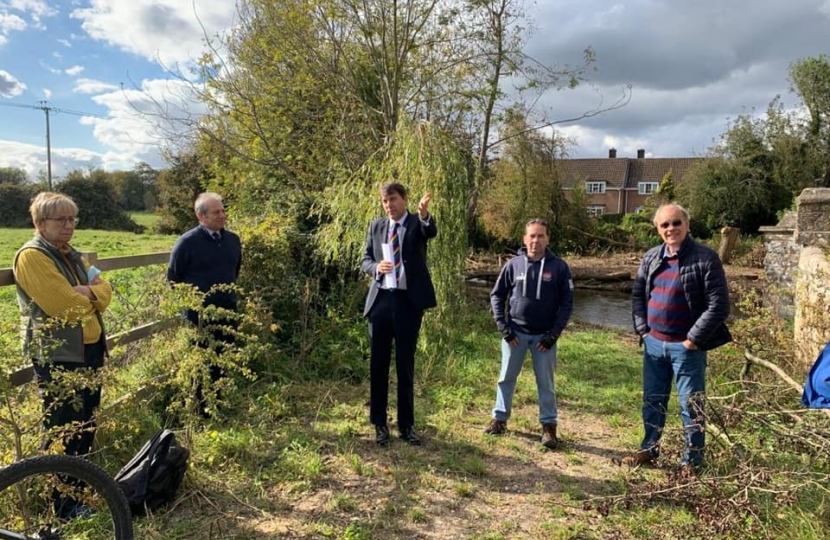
(532, 302)
(209, 257)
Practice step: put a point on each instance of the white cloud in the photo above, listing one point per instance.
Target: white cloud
(132, 132)
(9, 85)
(92, 86)
(170, 31)
(74, 70)
(49, 68)
(47, 93)
(65, 42)
(143, 121)
(9, 22)
(37, 9)
(32, 159)
(34, 10)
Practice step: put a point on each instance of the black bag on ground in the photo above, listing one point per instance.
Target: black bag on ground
(154, 474)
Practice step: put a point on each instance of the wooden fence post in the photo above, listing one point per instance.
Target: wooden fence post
(728, 240)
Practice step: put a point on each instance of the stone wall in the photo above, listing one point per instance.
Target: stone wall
(780, 265)
(812, 293)
(798, 270)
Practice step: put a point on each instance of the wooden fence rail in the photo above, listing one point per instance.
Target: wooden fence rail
(26, 374)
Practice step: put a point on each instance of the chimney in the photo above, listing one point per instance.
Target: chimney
(612, 152)
(641, 153)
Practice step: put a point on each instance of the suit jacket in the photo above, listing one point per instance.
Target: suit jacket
(419, 286)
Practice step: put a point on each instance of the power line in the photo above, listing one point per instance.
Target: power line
(43, 106)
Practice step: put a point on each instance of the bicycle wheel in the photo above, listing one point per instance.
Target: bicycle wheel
(61, 497)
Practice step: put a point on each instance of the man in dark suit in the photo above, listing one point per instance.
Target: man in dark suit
(395, 307)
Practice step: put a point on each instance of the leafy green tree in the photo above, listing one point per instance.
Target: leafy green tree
(97, 201)
(14, 204)
(810, 78)
(178, 187)
(756, 169)
(148, 177)
(665, 192)
(524, 184)
(13, 176)
(721, 191)
(128, 189)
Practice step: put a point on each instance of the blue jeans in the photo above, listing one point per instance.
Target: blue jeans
(661, 361)
(544, 365)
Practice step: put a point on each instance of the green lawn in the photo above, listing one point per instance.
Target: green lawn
(105, 243)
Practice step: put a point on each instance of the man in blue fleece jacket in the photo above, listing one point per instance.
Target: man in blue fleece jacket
(532, 302)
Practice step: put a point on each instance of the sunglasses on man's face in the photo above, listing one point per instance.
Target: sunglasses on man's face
(675, 223)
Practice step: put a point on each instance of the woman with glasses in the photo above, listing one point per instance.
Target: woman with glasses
(61, 298)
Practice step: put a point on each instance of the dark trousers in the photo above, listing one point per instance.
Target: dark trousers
(219, 340)
(393, 318)
(60, 409)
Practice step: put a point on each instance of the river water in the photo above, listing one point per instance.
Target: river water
(604, 308)
(610, 309)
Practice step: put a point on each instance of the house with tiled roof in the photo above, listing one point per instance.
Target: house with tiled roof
(615, 185)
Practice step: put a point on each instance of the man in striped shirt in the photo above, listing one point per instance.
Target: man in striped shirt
(680, 302)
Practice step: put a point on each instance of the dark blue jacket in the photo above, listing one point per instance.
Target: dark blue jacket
(200, 260)
(419, 287)
(704, 286)
(538, 295)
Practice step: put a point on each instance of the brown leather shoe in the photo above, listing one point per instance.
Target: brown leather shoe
(496, 427)
(549, 439)
(643, 457)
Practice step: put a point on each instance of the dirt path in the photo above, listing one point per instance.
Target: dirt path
(514, 488)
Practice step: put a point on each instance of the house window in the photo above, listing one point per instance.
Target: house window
(594, 187)
(595, 209)
(647, 188)
(639, 209)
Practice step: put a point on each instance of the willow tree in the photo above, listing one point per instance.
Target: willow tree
(524, 183)
(424, 159)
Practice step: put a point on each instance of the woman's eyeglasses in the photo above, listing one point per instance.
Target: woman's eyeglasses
(64, 220)
(675, 223)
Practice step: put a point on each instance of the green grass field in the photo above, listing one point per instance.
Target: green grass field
(104, 243)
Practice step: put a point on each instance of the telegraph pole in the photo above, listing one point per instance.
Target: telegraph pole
(43, 106)
(48, 145)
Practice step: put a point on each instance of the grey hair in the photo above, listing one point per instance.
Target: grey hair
(48, 204)
(674, 205)
(199, 206)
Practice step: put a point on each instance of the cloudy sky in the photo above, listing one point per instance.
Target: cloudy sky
(692, 66)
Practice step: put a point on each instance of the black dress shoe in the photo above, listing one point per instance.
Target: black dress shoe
(381, 435)
(408, 434)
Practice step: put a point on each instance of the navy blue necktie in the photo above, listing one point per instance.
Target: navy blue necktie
(396, 251)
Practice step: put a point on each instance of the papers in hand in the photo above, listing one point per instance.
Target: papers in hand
(389, 280)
